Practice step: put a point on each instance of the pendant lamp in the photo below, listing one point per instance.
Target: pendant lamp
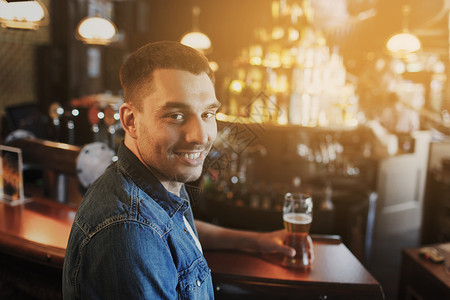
(23, 14)
(404, 42)
(195, 38)
(96, 29)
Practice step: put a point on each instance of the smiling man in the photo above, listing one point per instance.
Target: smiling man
(134, 236)
(175, 127)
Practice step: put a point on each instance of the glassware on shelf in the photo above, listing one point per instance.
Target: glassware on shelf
(303, 81)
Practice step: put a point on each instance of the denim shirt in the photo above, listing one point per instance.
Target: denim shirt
(129, 240)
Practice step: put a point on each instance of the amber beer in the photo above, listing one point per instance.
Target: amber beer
(297, 223)
(297, 218)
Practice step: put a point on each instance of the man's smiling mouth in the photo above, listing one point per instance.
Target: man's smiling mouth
(192, 156)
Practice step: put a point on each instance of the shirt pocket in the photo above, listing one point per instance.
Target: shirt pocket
(195, 282)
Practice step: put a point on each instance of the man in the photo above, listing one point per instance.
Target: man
(134, 236)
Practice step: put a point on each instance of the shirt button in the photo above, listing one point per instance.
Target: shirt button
(185, 230)
(198, 283)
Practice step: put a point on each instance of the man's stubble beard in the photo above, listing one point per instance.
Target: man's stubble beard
(182, 178)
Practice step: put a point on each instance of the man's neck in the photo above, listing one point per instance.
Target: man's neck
(171, 186)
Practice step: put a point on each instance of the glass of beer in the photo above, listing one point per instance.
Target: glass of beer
(297, 218)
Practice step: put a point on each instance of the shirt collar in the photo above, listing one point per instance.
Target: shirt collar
(146, 181)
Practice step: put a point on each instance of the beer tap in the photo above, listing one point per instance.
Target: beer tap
(70, 132)
(327, 204)
(55, 112)
(94, 120)
(110, 120)
(60, 184)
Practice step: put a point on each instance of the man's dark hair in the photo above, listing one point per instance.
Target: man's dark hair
(136, 73)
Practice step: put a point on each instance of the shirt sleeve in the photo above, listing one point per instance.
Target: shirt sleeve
(127, 260)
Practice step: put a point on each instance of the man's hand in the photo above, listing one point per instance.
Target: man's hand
(273, 242)
(216, 237)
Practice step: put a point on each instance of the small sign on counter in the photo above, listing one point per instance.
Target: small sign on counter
(11, 183)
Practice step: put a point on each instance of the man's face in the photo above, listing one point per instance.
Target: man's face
(176, 126)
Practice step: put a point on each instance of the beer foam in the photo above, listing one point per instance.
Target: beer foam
(296, 218)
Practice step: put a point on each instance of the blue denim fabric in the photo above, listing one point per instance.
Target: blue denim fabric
(129, 241)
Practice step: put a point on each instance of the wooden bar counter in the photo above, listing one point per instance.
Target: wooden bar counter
(33, 238)
(335, 274)
(37, 230)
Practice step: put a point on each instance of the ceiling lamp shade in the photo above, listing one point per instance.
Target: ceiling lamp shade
(196, 40)
(96, 30)
(403, 43)
(23, 14)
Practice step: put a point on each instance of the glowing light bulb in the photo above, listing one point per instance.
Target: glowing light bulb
(96, 30)
(404, 42)
(196, 40)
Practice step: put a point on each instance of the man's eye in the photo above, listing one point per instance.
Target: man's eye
(176, 116)
(208, 115)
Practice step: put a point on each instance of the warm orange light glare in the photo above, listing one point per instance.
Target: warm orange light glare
(414, 67)
(277, 32)
(214, 66)
(293, 34)
(236, 86)
(255, 61)
(399, 67)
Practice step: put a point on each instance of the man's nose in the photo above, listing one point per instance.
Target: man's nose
(196, 131)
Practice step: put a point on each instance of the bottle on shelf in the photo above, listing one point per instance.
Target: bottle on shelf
(254, 198)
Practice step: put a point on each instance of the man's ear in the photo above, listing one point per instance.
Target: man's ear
(128, 119)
